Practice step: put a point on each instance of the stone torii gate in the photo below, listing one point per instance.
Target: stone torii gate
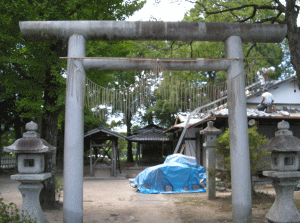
(78, 32)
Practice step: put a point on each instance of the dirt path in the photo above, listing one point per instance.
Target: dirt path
(116, 201)
(108, 201)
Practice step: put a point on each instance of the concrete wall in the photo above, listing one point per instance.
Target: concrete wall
(190, 142)
(190, 148)
(287, 93)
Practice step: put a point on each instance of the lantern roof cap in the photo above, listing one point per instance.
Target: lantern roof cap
(284, 141)
(210, 129)
(30, 142)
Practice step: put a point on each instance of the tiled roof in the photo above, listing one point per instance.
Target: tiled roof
(254, 113)
(146, 128)
(149, 135)
(222, 111)
(105, 130)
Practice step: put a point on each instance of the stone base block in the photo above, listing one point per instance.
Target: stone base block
(284, 209)
(31, 202)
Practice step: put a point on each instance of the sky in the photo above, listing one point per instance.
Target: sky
(162, 10)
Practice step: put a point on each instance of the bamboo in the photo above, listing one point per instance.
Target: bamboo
(107, 96)
(86, 93)
(177, 93)
(121, 100)
(93, 94)
(181, 96)
(103, 96)
(171, 92)
(126, 102)
(185, 98)
(117, 100)
(195, 96)
(140, 87)
(142, 91)
(164, 87)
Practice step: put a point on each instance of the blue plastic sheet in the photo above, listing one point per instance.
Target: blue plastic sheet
(178, 171)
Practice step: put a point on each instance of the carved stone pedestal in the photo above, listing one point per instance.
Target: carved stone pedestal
(30, 189)
(284, 209)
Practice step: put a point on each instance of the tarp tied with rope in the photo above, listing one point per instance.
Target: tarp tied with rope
(178, 174)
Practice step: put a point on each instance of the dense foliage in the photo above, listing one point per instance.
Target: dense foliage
(32, 76)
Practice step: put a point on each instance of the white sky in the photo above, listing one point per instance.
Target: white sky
(162, 10)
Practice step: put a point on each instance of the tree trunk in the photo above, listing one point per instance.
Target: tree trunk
(50, 127)
(18, 128)
(60, 147)
(129, 144)
(293, 34)
(47, 196)
(49, 133)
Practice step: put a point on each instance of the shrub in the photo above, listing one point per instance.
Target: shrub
(255, 140)
(10, 213)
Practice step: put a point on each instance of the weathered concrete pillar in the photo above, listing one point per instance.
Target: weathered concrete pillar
(210, 133)
(239, 142)
(74, 133)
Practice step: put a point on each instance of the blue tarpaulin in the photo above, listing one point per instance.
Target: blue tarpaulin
(178, 171)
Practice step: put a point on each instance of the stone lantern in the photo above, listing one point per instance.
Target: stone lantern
(30, 151)
(284, 148)
(210, 133)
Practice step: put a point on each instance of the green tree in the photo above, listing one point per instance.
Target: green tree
(255, 140)
(270, 12)
(31, 72)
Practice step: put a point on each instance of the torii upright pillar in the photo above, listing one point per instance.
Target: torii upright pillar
(239, 146)
(74, 132)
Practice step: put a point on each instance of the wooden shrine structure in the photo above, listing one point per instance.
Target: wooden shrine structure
(151, 145)
(96, 141)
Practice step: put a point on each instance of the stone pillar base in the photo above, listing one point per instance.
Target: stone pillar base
(284, 209)
(31, 207)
